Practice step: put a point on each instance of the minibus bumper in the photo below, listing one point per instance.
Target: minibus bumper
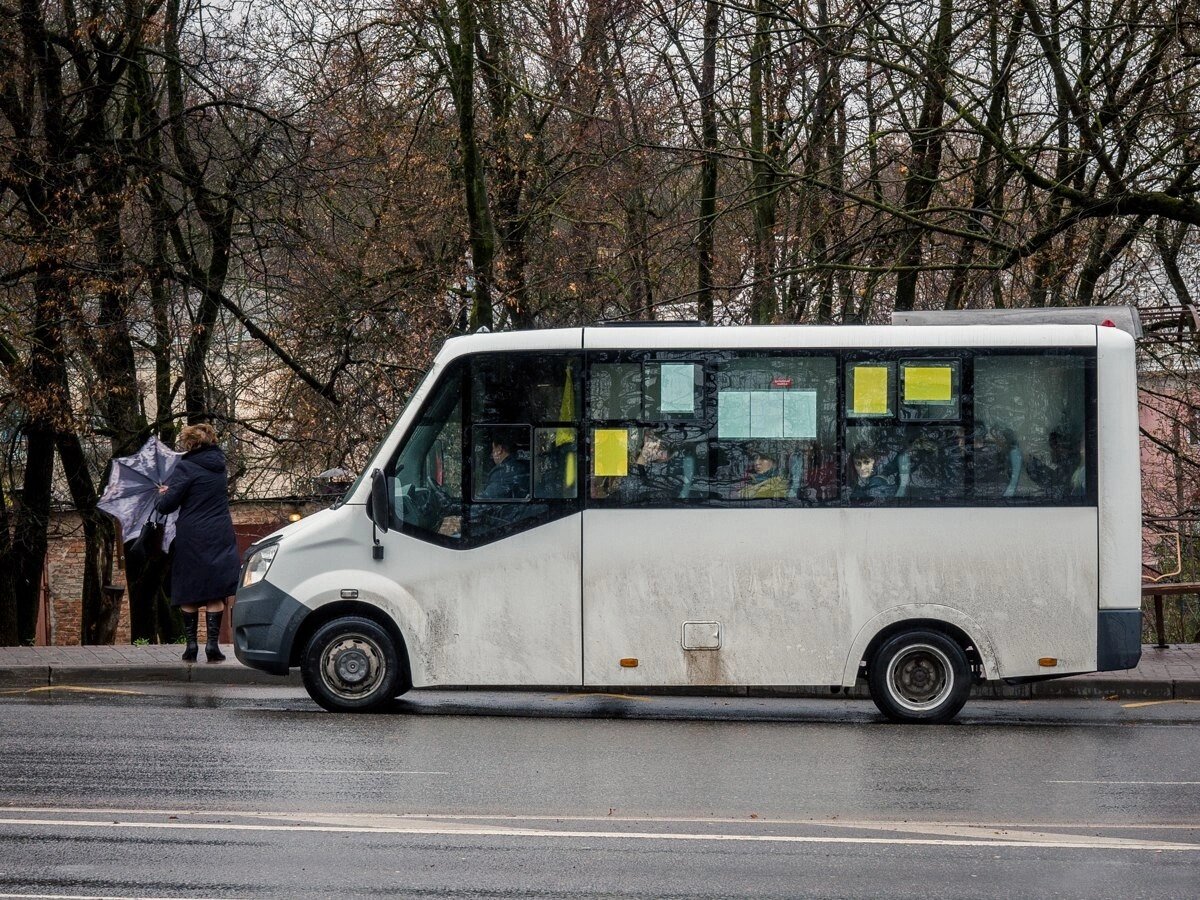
(265, 621)
(1118, 639)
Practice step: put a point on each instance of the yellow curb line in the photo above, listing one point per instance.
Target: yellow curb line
(1154, 703)
(74, 689)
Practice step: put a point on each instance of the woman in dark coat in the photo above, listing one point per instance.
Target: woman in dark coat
(205, 567)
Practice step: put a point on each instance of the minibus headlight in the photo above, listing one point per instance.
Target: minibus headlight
(258, 563)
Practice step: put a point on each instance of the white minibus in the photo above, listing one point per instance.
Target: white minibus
(655, 506)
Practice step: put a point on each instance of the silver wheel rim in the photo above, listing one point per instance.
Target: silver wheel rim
(353, 666)
(920, 677)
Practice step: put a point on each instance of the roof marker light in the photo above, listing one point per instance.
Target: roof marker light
(1108, 323)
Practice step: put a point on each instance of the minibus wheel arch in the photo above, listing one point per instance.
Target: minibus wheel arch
(953, 632)
(338, 610)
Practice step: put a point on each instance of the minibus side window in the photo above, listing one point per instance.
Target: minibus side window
(427, 474)
(648, 428)
(1031, 434)
(905, 440)
(774, 438)
(985, 427)
(523, 455)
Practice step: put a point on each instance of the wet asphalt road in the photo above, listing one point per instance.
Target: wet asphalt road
(191, 791)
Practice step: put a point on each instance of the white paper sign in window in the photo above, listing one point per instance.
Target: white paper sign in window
(766, 414)
(744, 415)
(800, 415)
(677, 383)
(733, 415)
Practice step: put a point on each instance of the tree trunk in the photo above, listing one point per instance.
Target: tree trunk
(100, 608)
(926, 161)
(461, 53)
(8, 600)
(32, 522)
(763, 147)
(708, 173)
(987, 192)
(44, 389)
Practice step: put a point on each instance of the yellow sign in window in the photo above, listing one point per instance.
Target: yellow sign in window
(928, 384)
(870, 391)
(612, 451)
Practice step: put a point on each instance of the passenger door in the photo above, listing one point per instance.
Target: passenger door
(487, 550)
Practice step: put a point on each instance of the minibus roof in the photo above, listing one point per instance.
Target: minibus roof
(773, 337)
(1124, 317)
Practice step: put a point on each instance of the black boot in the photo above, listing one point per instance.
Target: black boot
(191, 621)
(212, 649)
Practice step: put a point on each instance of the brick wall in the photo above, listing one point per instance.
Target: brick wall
(65, 555)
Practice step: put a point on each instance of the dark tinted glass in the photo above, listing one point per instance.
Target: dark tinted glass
(1030, 433)
(525, 388)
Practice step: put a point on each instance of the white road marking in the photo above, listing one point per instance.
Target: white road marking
(1171, 783)
(431, 827)
(757, 820)
(89, 897)
(349, 772)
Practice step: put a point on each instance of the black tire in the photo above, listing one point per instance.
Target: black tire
(351, 665)
(920, 676)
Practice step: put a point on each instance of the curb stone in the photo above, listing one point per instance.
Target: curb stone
(1098, 688)
(75, 675)
(25, 677)
(1187, 690)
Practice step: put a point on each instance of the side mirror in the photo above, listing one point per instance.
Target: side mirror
(381, 501)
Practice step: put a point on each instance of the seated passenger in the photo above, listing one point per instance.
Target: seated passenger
(656, 476)
(1078, 481)
(931, 463)
(1061, 474)
(865, 481)
(998, 462)
(509, 477)
(766, 481)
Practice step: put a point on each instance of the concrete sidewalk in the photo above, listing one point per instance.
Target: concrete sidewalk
(1170, 674)
(125, 664)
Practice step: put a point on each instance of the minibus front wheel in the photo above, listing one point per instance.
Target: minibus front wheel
(920, 676)
(351, 665)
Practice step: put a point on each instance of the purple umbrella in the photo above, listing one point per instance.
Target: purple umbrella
(132, 489)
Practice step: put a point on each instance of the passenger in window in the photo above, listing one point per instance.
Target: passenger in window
(931, 463)
(866, 482)
(766, 480)
(509, 477)
(1062, 473)
(998, 462)
(1079, 476)
(821, 476)
(657, 474)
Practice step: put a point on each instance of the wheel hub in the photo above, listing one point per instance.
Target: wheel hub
(921, 677)
(353, 666)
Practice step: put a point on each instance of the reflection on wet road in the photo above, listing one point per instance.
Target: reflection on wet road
(182, 790)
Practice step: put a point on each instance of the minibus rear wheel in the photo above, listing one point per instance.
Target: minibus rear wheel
(351, 665)
(920, 676)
